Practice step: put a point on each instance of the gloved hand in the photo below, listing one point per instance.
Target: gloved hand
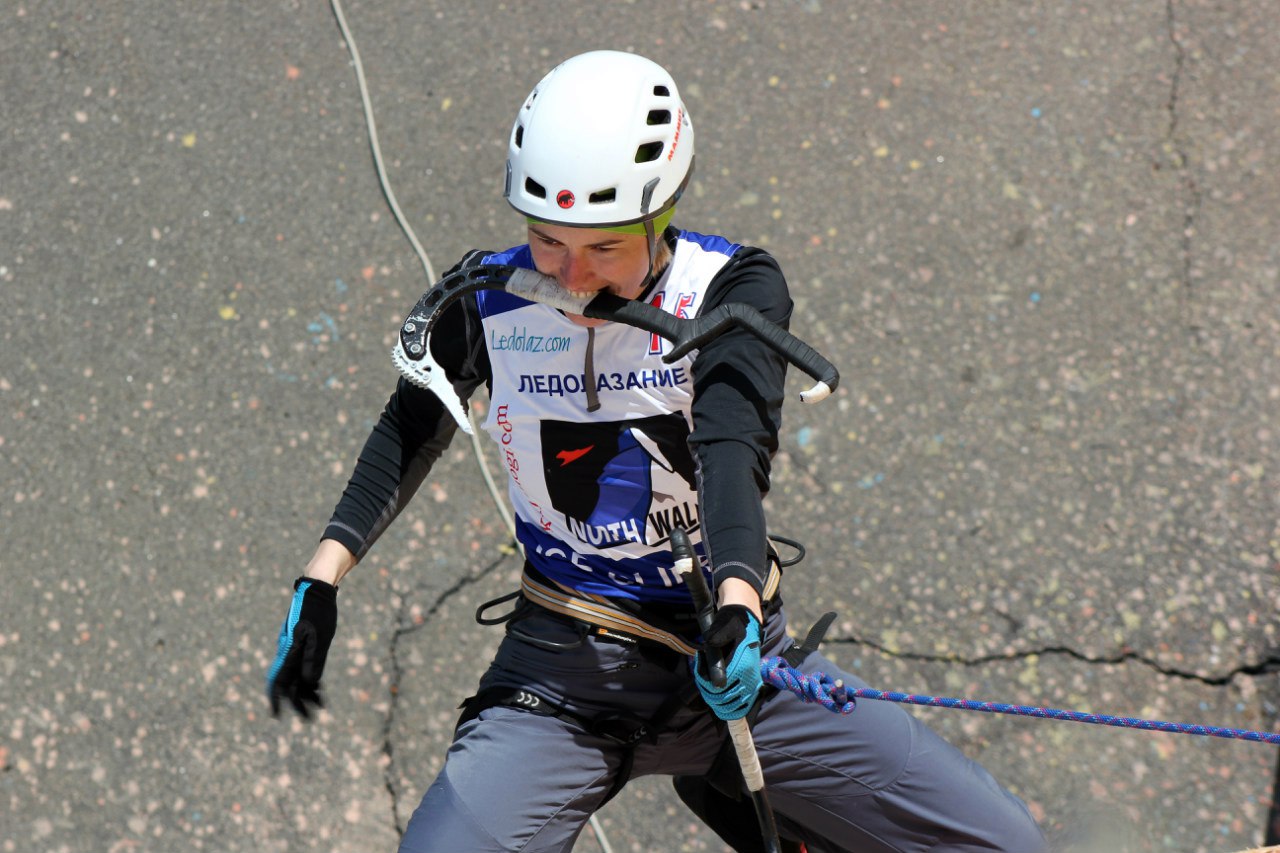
(734, 637)
(303, 646)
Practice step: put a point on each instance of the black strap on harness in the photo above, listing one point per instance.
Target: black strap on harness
(796, 654)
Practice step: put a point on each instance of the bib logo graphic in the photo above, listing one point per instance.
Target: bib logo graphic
(683, 304)
(567, 456)
(620, 482)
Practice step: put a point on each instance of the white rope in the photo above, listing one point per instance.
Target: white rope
(385, 183)
(373, 143)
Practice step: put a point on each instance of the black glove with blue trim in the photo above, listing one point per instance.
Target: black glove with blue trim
(303, 646)
(734, 637)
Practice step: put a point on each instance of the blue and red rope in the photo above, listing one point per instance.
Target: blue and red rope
(819, 688)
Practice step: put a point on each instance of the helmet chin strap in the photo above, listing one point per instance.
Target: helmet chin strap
(646, 198)
(646, 201)
(653, 254)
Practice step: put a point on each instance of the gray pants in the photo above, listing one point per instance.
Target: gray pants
(875, 781)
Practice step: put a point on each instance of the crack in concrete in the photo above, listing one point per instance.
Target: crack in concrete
(1180, 59)
(404, 628)
(1269, 664)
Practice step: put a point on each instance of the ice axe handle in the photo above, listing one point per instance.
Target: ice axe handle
(686, 563)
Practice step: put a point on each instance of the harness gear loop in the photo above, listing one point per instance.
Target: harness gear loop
(798, 547)
(494, 602)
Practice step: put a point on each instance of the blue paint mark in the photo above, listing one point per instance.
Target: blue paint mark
(1035, 112)
(287, 377)
(340, 285)
(1035, 297)
(804, 436)
(322, 329)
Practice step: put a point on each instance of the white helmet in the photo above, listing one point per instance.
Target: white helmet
(602, 141)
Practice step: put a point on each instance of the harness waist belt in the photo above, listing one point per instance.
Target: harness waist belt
(600, 612)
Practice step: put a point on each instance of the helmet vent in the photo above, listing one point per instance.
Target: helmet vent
(659, 117)
(603, 196)
(519, 135)
(534, 188)
(648, 152)
(662, 91)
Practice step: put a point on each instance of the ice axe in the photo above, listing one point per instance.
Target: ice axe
(412, 352)
(686, 562)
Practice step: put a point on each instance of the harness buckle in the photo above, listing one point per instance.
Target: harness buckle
(621, 730)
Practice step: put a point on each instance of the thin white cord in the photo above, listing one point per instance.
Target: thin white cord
(373, 143)
(385, 183)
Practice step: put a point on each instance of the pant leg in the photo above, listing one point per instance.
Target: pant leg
(880, 781)
(512, 780)
(515, 780)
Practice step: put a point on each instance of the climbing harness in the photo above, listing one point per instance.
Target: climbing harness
(606, 615)
(587, 616)
(609, 617)
(599, 613)
(599, 616)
